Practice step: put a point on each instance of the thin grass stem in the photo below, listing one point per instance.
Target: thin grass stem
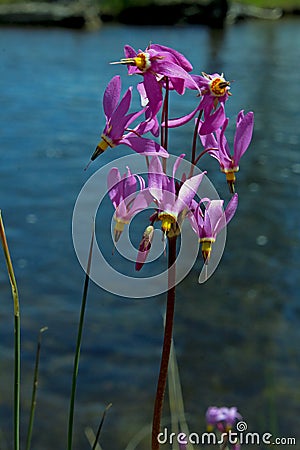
(100, 426)
(78, 347)
(34, 388)
(17, 335)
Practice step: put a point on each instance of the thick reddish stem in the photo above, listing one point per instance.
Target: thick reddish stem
(164, 364)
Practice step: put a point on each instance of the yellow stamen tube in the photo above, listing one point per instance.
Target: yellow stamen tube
(206, 246)
(166, 221)
(119, 227)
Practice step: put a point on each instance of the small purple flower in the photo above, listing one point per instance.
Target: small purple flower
(125, 198)
(217, 146)
(214, 91)
(155, 63)
(172, 202)
(231, 416)
(118, 121)
(223, 419)
(208, 223)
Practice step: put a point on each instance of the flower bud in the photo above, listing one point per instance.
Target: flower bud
(144, 247)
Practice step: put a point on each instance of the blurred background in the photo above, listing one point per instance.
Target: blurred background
(236, 336)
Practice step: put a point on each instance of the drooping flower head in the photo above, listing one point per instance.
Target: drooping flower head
(208, 223)
(154, 64)
(172, 201)
(118, 121)
(217, 146)
(125, 197)
(214, 90)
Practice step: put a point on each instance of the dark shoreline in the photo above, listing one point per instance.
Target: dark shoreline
(215, 14)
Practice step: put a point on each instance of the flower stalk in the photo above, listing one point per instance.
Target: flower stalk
(164, 364)
(17, 335)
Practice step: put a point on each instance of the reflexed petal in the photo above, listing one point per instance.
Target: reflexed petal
(111, 96)
(225, 156)
(213, 122)
(214, 218)
(182, 61)
(172, 123)
(144, 99)
(113, 180)
(144, 146)
(122, 108)
(129, 52)
(231, 208)
(153, 91)
(156, 176)
(128, 184)
(188, 191)
(172, 70)
(209, 141)
(243, 136)
(178, 84)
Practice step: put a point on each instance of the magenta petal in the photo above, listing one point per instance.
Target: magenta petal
(182, 61)
(213, 122)
(155, 175)
(188, 191)
(214, 218)
(128, 184)
(172, 70)
(144, 146)
(209, 141)
(231, 208)
(153, 91)
(111, 96)
(243, 136)
(123, 107)
(129, 52)
(113, 180)
(172, 123)
(178, 84)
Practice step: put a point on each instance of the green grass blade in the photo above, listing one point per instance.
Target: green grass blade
(17, 335)
(34, 389)
(78, 347)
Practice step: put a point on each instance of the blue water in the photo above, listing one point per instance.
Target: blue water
(237, 335)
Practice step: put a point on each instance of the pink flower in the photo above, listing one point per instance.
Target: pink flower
(125, 198)
(172, 202)
(118, 121)
(214, 93)
(217, 146)
(208, 223)
(154, 64)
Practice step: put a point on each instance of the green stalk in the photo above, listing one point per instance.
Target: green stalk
(34, 389)
(164, 364)
(78, 347)
(17, 335)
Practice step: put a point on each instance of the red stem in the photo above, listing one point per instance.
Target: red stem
(165, 356)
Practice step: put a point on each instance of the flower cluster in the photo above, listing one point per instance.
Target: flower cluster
(223, 420)
(162, 70)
